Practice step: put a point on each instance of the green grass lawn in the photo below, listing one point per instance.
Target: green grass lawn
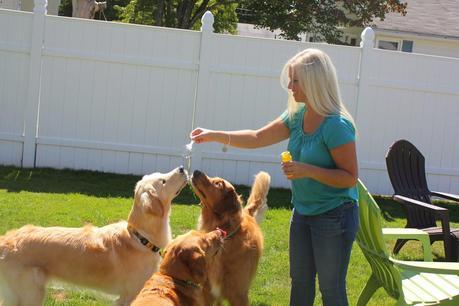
(49, 197)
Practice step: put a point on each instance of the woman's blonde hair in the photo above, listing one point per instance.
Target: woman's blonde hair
(317, 78)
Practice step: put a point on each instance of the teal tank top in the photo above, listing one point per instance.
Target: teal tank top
(310, 197)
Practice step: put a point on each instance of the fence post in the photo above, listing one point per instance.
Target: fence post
(364, 95)
(203, 79)
(366, 46)
(33, 88)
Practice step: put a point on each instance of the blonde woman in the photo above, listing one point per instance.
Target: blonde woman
(323, 175)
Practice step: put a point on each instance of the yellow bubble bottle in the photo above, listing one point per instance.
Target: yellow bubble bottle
(286, 157)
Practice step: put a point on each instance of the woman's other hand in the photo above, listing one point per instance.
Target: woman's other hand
(294, 170)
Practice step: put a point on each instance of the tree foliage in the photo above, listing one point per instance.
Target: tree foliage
(321, 17)
(184, 14)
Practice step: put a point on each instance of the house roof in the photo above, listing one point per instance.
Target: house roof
(438, 18)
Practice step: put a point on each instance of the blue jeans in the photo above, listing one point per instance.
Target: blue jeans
(322, 245)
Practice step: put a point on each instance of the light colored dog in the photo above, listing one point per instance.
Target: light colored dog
(117, 258)
(183, 271)
(230, 278)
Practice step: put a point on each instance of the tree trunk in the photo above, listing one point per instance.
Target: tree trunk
(159, 13)
(170, 20)
(180, 10)
(87, 8)
(187, 14)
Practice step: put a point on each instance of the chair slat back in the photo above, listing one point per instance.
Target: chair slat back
(371, 242)
(406, 168)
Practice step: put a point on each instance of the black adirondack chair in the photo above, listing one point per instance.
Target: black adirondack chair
(406, 168)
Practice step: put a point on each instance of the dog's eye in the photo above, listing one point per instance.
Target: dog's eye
(163, 181)
(218, 184)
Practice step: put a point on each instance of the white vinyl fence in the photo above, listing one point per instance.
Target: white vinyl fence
(105, 96)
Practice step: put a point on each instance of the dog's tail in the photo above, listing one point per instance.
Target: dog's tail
(257, 202)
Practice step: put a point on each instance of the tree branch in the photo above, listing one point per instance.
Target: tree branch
(199, 11)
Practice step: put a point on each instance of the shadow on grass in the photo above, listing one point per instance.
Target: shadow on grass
(391, 209)
(46, 180)
(100, 184)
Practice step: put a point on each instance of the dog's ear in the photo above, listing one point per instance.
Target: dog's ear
(137, 187)
(151, 203)
(231, 203)
(185, 263)
(196, 264)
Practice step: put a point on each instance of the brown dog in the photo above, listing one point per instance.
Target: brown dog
(183, 271)
(222, 208)
(117, 258)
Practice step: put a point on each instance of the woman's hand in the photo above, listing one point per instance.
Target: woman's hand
(294, 170)
(343, 176)
(200, 135)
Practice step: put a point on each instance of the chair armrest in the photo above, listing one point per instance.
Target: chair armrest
(423, 205)
(411, 233)
(428, 267)
(448, 196)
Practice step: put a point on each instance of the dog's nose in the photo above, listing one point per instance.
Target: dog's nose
(180, 169)
(197, 173)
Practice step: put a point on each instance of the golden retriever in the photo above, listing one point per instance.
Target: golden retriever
(117, 258)
(222, 207)
(183, 271)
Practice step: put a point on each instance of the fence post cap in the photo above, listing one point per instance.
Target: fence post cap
(368, 37)
(207, 22)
